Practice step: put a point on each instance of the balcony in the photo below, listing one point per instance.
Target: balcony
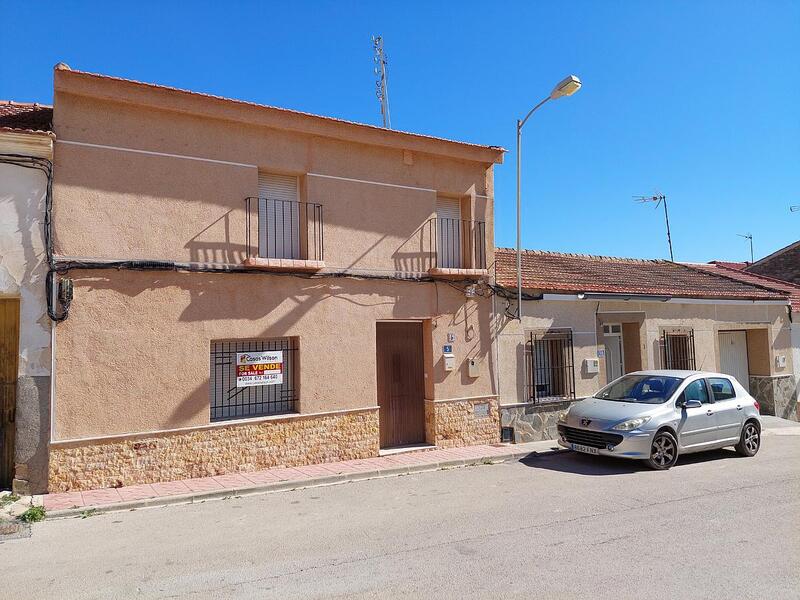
(457, 247)
(283, 235)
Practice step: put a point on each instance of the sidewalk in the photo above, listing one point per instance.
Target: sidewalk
(184, 491)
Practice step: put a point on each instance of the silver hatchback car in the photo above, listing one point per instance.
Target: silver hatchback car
(657, 415)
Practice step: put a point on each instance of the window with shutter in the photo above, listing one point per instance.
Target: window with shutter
(278, 216)
(448, 233)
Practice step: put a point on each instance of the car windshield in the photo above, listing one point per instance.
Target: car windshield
(644, 389)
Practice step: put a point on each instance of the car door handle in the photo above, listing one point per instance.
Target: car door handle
(710, 412)
(738, 407)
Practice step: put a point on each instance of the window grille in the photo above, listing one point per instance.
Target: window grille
(677, 350)
(231, 401)
(551, 366)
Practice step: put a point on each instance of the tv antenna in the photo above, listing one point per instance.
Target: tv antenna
(659, 199)
(381, 85)
(794, 208)
(748, 236)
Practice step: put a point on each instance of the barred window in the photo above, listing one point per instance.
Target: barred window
(253, 378)
(551, 366)
(677, 350)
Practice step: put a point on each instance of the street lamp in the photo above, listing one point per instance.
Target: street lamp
(566, 87)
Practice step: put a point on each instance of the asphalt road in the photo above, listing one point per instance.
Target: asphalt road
(561, 526)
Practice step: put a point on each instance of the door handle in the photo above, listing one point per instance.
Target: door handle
(738, 407)
(710, 412)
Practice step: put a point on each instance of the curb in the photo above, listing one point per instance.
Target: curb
(297, 484)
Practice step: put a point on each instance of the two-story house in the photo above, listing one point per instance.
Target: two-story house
(253, 286)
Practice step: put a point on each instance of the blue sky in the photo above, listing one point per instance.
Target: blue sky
(699, 100)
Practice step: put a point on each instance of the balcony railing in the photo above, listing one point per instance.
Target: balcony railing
(456, 243)
(283, 229)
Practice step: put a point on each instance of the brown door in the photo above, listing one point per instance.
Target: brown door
(401, 387)
(9, 352)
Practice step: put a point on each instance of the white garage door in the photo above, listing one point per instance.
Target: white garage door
(733, 356)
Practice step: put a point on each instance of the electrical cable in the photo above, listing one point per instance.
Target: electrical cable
(45, 166)
(58, 265)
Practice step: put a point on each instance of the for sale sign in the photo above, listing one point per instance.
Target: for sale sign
(259, 368)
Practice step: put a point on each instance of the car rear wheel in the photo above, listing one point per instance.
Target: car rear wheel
(750, 440)
(663, 451)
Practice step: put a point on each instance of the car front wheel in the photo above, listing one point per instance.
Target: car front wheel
(750, 440)
(663, 451)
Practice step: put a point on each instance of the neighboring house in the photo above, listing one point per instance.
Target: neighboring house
(782, 264)
(591, 319)
(255, 286)
(789, 410)
(26, 149)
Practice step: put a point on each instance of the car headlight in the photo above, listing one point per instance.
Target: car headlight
(631, 424)
(562, 416)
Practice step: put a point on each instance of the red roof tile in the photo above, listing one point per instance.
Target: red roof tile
(730, 265)
(24, 116)
(575, 273)
(721, 268)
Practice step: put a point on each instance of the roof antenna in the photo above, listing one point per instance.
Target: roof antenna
(658, 198)
(381, 86)
(748, 236)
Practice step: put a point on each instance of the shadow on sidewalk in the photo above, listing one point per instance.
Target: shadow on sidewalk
(584, 464)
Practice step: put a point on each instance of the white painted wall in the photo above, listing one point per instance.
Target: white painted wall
(23, 264)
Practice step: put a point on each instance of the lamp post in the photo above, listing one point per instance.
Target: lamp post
(566, 87)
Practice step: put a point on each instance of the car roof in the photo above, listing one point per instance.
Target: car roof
(679, 373)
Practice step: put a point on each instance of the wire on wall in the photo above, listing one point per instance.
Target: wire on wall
(59, 296)
(45, 166)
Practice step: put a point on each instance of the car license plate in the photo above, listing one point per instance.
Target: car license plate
(585, 449)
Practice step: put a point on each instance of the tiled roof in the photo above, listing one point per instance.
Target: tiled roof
(497, 149)
(575, 273)
(730, 265)
(721, 268)
(783, 264)
(24, 116)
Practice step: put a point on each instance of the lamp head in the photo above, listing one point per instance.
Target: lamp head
(566, 87)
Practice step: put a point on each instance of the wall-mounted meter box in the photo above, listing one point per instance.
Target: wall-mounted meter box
(592, 365)
(780, 361)
(449, 362)
(473, 367)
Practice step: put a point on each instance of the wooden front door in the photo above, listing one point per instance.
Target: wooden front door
(401, 385)
(9, 353)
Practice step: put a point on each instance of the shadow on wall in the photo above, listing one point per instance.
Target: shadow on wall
(288, 300)
(218, 252)
(27, 203)
(413, 256)
(223, 242)
(254, 296)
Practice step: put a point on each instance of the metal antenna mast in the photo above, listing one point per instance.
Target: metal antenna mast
(381, 85)
(658, 199)
(748, 236)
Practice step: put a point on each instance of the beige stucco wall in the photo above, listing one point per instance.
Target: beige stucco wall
(112, 203)
(134, 354)
(586, 318)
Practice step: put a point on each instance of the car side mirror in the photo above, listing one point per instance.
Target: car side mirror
(690, 404)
